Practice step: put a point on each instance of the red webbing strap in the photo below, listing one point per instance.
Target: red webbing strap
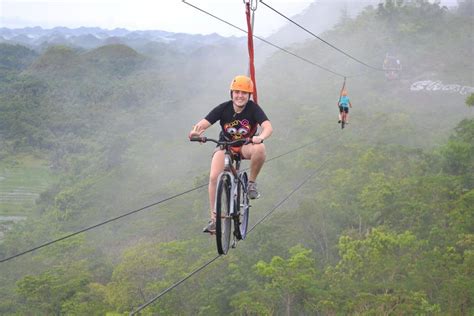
(250, 48)
(342, 89)
(343, 85)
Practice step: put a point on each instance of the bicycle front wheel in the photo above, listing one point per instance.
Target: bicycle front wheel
(223, 218)
(243, 206)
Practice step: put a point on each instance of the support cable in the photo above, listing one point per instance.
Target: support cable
(315, 172)
(305, 180)
(100, 224)
(151, 301)
(140, 209)
(324, 41)
(265, 41)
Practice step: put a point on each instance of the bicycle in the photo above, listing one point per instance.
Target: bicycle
(232, 201)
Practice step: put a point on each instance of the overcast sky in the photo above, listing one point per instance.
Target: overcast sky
(166, 15)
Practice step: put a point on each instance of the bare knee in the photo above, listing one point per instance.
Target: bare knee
(259, 152)
(217, 165)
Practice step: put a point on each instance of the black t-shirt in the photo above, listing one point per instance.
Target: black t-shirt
(237, 125)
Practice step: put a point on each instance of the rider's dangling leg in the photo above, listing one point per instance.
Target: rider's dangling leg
(257, 155)
(217, 166)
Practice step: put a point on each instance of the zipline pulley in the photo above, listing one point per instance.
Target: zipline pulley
(253, 4)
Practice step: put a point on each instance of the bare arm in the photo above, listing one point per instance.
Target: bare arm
(267, 131)
(199, 128)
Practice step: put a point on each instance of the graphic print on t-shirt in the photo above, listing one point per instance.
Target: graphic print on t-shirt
(238, 128)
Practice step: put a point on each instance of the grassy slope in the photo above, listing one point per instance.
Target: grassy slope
(22, 179)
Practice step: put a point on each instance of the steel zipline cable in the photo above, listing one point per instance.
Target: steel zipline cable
(151, 301)
(142, 208)
(265, 41)
(319, 38)
(100, 224)
(267, 214)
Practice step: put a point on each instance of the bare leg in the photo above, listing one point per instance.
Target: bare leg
(257, 155)
(217, 166)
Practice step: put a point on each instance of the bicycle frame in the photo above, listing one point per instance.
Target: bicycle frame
(236, 191)
(229, 169)
(233, 172)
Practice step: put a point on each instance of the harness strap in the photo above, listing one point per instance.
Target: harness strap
(342, 89)
(250, 49)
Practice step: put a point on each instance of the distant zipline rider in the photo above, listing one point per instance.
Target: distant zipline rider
(343, 104)
(239, 119)
(392, 67)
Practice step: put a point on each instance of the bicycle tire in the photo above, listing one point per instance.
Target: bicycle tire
(223, 219)
(242, 207)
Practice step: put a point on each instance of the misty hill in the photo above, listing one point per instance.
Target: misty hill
(119, 58)
(386, 218)
(38, 38)
(15, 57)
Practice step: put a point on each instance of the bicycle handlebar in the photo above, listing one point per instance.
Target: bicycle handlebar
(237, 142)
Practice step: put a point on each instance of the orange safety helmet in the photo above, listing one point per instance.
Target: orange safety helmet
(344, 92)
(242, 83)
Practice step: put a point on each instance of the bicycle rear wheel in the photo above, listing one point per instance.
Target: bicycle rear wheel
(223, 219)
(242, 207)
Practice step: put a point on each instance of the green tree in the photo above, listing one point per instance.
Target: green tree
(90, 301)
(373, 276)
(470, 100)
(288, 286)
(46, 293)
(146, 270)
(458, 153)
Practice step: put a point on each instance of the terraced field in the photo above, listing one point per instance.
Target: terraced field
(21, 182)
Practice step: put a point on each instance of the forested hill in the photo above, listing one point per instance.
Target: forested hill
(383, 223)
(84, 38)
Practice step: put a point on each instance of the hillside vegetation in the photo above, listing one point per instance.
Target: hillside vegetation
(383, 227)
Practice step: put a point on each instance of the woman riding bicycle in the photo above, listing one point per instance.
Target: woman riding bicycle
(344, 103)
(239, 118)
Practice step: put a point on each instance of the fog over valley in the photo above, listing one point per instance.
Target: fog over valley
(103, 197)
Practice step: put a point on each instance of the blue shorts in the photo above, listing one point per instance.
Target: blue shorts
(343, 108)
